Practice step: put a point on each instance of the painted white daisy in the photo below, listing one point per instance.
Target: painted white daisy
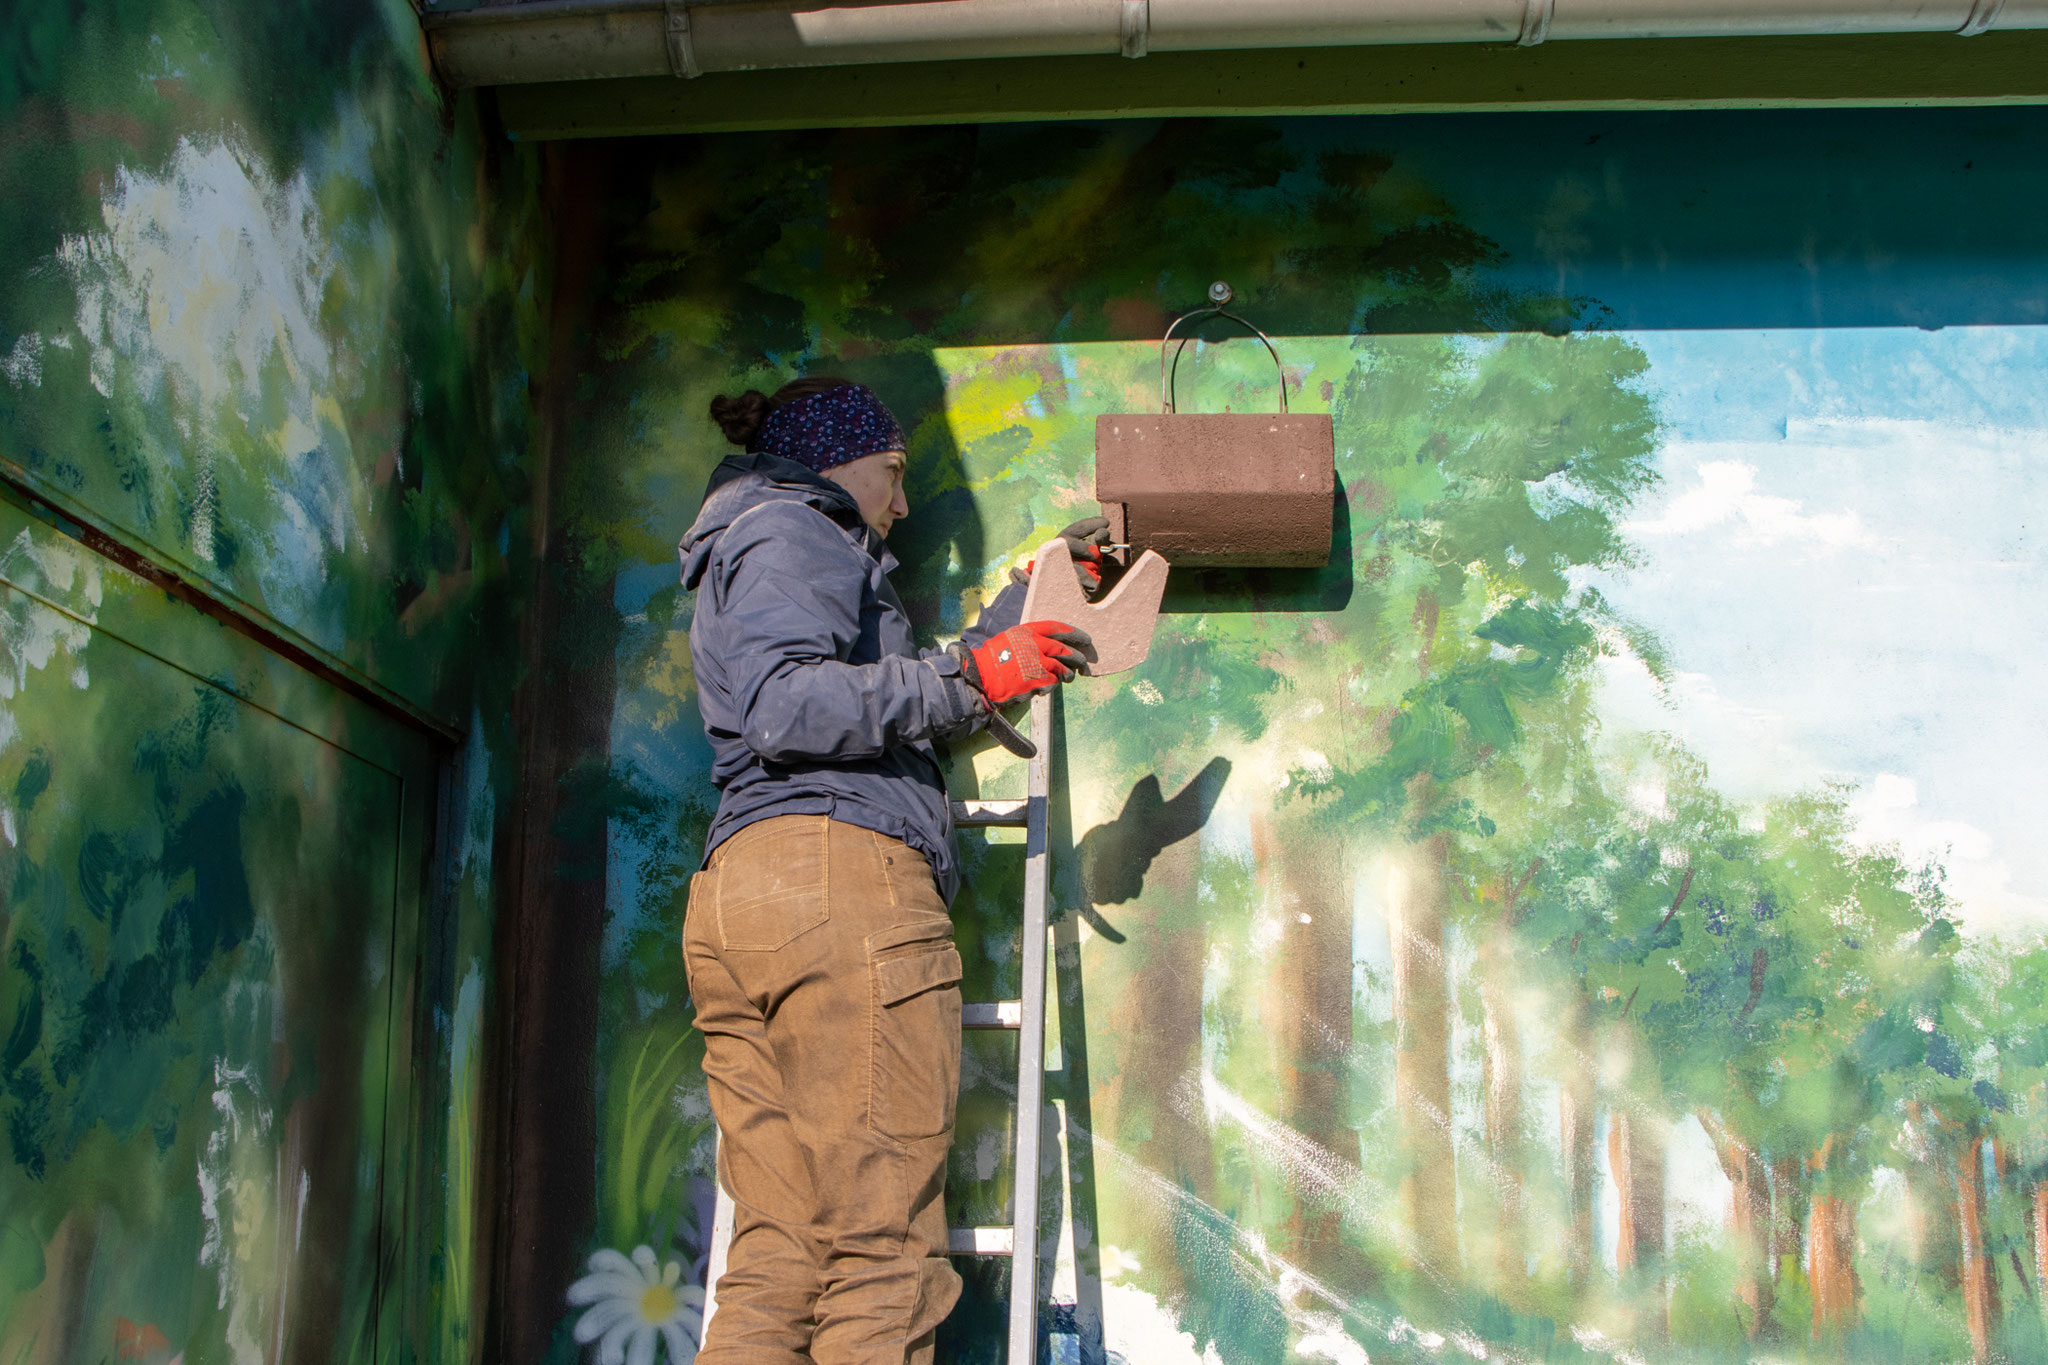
(631, 1301)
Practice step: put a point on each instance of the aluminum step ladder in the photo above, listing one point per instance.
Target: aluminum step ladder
(1026, 1016)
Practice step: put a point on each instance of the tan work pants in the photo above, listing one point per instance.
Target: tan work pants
(822, 966)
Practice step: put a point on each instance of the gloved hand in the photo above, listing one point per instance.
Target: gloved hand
(1024, 659)
(1085, 539)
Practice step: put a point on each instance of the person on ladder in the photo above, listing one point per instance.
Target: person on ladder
(817, 938)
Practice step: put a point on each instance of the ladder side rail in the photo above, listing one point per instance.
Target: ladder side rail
(1031, 1047)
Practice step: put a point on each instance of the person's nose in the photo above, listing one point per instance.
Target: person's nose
(899, 506)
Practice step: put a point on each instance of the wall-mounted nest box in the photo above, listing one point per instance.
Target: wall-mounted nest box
(1218, 489)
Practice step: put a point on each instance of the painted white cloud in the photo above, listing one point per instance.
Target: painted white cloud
(1750, 749)
(1856, 599)
(1887, 812)
(1725, 495)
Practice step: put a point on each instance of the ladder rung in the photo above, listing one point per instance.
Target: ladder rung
(993, 1014)
(980, 1241)
(991, 813)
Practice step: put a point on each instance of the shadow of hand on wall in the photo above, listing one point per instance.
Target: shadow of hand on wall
(1115, 857)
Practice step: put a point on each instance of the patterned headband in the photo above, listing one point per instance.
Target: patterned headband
(830, 428)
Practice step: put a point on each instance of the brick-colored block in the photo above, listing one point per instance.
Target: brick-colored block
(1120, 625)
(1224, 489)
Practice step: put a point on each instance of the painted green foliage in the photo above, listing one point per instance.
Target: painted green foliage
(1283, 1141)
(200, 936)
(268, 305)
(1388, 973)
(258, 316)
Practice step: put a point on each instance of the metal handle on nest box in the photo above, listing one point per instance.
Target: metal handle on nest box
(1220, 292)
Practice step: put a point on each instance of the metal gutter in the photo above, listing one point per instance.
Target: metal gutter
(559, 40)
(1889, 70)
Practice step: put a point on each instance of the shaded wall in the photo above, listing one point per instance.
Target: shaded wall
(271, 320)
(1440, 970)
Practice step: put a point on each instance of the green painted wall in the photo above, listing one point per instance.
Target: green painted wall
(268, 307)
(265, 303)
(1592, 919)
(1425, 992)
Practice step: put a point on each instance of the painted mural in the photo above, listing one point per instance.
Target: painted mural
(258, 316)
(1597, 917)
(268, 309)
(203, 922)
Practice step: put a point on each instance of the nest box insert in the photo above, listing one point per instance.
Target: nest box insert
(1218, 489)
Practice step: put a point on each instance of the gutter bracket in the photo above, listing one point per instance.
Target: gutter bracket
(1134, 27)
(1536, 21)
(682, 53)
(1983, 14)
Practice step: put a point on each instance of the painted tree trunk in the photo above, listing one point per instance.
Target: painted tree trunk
(1575, 1141)
(1749, 1226)
(1980, 1289)
(1146, 1107)
(2039, 1223)
(67, 1268)
(551, 855)
(1936, 1232)
(1422, 1082)
(1503, 1079)
(1831, 1247)
(1788, 1214)
(1831, 1264)
(1635, 1154)
(1309, 1001)
(1620, 1161)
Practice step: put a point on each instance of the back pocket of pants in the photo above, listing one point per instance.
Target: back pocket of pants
(914, 1065)
(774, 886)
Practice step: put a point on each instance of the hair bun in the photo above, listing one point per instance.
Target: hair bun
(740, 418)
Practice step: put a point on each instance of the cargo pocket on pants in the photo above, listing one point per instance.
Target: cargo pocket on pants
(914, 1056)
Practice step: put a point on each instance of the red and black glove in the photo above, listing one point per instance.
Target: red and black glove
(1085, 539)
(1024, 659)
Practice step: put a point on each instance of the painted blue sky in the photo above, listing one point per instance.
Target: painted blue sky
(1845, 562)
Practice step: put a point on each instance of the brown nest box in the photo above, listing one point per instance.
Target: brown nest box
(1218, 489)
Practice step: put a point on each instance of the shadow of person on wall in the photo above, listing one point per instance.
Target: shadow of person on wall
(1115, 857)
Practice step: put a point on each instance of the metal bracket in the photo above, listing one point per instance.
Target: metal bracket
(682, 53)
(1134, 28)
(1983, 14)
(1220, 294)
(1535, 21)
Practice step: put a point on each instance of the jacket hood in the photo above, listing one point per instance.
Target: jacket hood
(743, 482)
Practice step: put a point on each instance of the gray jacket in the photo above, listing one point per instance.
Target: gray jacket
(814, 693)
